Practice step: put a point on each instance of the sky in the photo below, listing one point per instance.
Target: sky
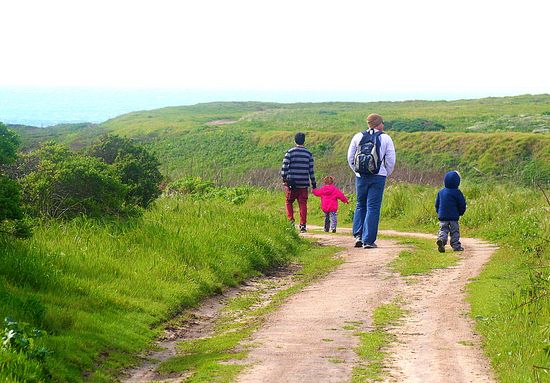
(480, 47)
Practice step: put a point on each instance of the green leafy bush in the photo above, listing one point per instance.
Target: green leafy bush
(10, 199)
(190, 185)
(62, 184)
(416, 125)
(137, 168)
(203, 189)
(20, 337)
(9, 142)
(21, 357)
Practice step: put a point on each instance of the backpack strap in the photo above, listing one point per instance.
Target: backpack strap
(368, 134)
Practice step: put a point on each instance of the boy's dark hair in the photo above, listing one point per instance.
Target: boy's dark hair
(300, 138)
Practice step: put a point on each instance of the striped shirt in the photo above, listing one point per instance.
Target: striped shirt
(297, 167)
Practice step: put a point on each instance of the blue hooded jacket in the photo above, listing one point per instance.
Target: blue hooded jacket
(450, 203)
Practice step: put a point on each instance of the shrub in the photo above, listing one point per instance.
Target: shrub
(64, 184)
(20, 337)
(136, 167)
(21, 358)
(190, 185)
(10, 201)
(9, 142)
(199, 188)
(416, 125)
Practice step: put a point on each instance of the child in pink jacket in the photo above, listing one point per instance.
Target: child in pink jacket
(330, 195)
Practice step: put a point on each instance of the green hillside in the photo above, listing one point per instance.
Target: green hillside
(102, 287)
(491, 137)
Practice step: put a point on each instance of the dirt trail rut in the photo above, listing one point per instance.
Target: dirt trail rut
(306, 340)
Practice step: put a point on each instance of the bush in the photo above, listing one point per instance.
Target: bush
(136, 167)
(416, 125)
(10, 201)
(190, 185)
(9, 142)
(64, 185)
(20, 356)
(199, 188)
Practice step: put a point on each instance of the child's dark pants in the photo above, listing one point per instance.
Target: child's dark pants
(452, 228)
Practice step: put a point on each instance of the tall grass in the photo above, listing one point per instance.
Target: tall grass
(100, 289)
(510, 299)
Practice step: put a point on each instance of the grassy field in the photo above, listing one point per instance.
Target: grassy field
(101, 289)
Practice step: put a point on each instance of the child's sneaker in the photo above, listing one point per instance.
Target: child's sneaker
(334, 230)
(440, 246)
(459, 248)
(303, 228)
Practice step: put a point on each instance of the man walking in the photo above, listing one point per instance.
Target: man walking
(297, 171)
(371, 155)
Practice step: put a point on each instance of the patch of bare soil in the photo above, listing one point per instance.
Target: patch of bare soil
(306, 340)
(221, 122)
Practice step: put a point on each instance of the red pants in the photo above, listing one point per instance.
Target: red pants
(301, 195)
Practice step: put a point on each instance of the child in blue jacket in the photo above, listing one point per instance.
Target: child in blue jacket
(450, 204)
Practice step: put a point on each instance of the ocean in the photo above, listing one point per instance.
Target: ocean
(42, 107)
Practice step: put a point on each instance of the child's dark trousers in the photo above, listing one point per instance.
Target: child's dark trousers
(451, 228)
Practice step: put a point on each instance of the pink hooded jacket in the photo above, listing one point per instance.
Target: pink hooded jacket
(330, 195)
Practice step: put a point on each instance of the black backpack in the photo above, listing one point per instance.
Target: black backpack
(367, 157)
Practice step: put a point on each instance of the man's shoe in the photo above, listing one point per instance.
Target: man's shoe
(358, 242)
(303, 228)
(369, 246)
(459, 248)
(440, 246)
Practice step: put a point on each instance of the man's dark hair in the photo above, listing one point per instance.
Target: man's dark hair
(300, 138)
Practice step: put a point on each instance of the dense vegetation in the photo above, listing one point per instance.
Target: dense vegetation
(101, 288)
(102, 283)
(10, 194)
(482, 138)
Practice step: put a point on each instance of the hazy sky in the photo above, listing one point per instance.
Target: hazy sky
(482, 46)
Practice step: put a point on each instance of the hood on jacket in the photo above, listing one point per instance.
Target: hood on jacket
(452, 180)
(330, 188)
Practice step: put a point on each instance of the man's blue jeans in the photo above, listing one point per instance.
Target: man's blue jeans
(369, 191)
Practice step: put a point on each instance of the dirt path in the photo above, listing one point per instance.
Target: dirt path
(310, 337)
(306, 339)
(437, 342)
